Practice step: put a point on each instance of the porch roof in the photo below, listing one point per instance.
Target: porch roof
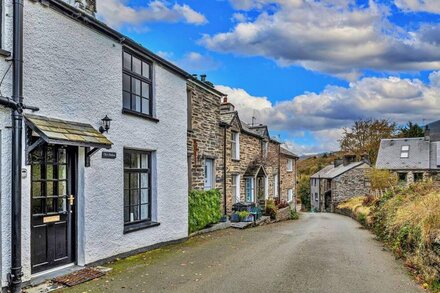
(254, 170)
(57, 131)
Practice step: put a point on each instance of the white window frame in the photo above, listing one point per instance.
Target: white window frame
(265, 149)
(206, 174)
(252, 188)
(290, 195)
(235, 145)
(404, 152)
(266, 188)
(289, 165)
(275, 185)
(235, 188)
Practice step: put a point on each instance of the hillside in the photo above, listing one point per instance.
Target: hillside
(311, 165)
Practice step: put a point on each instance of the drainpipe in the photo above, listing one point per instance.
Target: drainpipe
(225, 127)
(279, 172)
(17, 119)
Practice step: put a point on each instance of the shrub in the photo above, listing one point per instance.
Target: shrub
(281, 204)
(204, 209)
(362, 218)
(271, 209)
(294, 215)
(243, 215)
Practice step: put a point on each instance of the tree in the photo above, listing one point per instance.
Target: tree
(411, 130)
(304, 192)
(365, 135)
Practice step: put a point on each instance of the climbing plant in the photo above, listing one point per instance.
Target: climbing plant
(204, 209)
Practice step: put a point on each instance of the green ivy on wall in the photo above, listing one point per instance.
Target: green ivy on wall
(204, 209)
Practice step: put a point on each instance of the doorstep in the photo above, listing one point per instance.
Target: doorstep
(215, 227)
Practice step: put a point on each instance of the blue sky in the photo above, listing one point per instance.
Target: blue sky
(307, 68)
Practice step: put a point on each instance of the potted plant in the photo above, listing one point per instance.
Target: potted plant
(244, 216)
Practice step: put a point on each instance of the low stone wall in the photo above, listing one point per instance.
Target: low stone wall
(283, 214)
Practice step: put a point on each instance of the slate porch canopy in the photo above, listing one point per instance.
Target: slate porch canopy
(61, 132)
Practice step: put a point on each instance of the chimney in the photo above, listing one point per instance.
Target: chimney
(427, 133)
(337, 163)
(203, 77)
(365, 158)
(226, 107)
(348, 159)
(88, 6)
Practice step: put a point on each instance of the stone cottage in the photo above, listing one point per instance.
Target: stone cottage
(338, 182)
(90, 189)
(288, 171)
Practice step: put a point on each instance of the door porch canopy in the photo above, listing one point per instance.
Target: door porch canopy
(40, 129)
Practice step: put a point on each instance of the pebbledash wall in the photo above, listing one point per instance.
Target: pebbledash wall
(74, 73)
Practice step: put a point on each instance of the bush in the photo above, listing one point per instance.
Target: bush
(304, 192)
(271, 209)
(204, 209)
(362, 218)
(281, 204)
(294, 215)
(243, 215)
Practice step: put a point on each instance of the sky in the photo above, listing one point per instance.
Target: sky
(306, 68)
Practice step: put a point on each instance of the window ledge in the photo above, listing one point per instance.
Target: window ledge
(140, 115)
(235, 160)
(129, 228)
(5, 53)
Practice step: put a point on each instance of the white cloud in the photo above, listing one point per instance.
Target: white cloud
(432, 6)
(331, 36)
(325, 114)
(117, 13)
(194, 61)
(239, 17)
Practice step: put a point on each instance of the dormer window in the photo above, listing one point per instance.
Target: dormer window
(404, 153)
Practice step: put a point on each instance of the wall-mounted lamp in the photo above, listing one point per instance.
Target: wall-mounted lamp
(105, 124)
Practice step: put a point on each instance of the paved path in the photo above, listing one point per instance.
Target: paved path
(318, 253)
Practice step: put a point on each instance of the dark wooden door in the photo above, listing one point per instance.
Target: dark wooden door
(53, 206)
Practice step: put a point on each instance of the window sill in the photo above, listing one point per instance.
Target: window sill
(140, 115)
(129, 228)
(5, 53)
(235, 160)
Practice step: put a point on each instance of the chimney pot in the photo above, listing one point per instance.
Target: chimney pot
(203, 77)
(225, 100)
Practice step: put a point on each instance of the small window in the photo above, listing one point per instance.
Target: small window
(137, 85)
(275, 186)
(402, 177)
(265, 148)
(404, 154)
(316, 196)
(289, 165)
(137, 186)
(209, 174)
(236, 188)
(290, 195)
(235, 145)
(418, 177)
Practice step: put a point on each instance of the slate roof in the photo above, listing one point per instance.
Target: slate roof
(254, 170)
(288, 153)
(227, 117)
(434, 130)
(330, 171)
(57, 131)
(422, 154)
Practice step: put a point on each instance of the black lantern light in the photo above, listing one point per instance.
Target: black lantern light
(105, 124)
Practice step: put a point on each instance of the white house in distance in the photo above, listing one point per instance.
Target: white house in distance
(89, 196)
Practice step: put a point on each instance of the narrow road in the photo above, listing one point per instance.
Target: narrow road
(318, 253)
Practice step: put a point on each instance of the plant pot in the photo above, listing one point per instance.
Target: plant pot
(235, 218)
(249, 218)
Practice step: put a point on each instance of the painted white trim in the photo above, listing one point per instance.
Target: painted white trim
(266, 188)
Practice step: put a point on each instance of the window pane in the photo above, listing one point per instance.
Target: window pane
(49, 205)
(144, 196)
(134, 181)
(36, 172)
(134, 213)
(49, 171)
(145, 90)
(144, 180)
(146, 106)
(62, 188)
(37, 156)
(137, 65)
(126, 214)
(144, 161)
(136, 86)
(136, 100)
(144, 212)
(62, 205)
(126, 100)
(36, 189)
(37, 206)
(126, 83)
(134, 160)
(127, 161)
(49, 188)
(405, 148)
(127, 61)
(62, 156)
(146, 69)
(62, 172)
(126, 197)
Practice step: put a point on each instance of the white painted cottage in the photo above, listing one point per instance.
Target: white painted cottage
(88, 196)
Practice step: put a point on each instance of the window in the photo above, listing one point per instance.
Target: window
(189, 110)
(275, 185)
(316, 196)
(265, 148)
(402, 177)
(250, 189)
(404, 154)
(137, 187)
(289, 165)
(236, 188)
(137, 85)
(209, 174)
(235, 145)
(418, 177)
(290, 195)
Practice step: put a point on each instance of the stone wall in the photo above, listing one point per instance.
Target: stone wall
(351, 184)
(287, 178)
(204, 136)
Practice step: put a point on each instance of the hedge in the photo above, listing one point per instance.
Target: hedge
(204, 209)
